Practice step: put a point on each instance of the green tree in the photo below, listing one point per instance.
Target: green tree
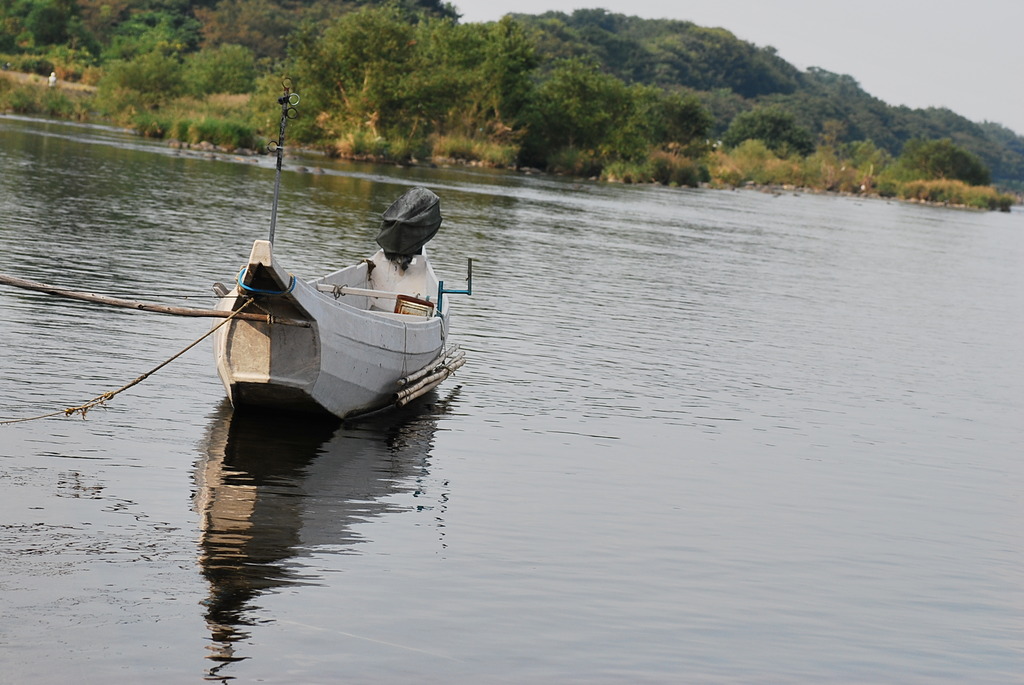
(163, 31)
(35, 25)
(774, 126)
(506, 70)
(385, 74)
(260, 25)
(582, 108)
(681, 122)
(223, 69)
(47, 22)
(141, 83)
(473, 80)
(354, 74)
(866, 156)
(432, 8)
(443, 90)
(941, 159)
(102, 17)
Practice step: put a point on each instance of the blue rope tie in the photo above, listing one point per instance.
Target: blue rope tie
(261, 291)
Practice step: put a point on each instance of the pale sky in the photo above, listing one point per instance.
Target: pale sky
(963, 55)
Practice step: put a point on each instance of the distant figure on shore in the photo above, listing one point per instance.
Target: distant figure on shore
(53, 79)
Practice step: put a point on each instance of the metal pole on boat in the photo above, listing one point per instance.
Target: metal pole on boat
(288, 102)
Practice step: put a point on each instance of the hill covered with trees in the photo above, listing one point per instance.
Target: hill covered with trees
(732, 76)
(591, 93)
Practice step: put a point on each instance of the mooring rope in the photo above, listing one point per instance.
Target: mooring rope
(101, 400)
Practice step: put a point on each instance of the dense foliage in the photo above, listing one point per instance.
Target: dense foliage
(774, 126)
(590, 93)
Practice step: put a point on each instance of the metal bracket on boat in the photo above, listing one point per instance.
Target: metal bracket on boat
(468, 290)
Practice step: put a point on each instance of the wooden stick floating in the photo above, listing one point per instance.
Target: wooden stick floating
(142, 306)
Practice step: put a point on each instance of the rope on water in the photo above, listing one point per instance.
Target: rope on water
(101, 400)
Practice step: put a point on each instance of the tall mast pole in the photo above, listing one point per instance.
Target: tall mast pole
(288, 102)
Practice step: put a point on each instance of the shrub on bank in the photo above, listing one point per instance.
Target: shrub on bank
(34, 98)
(17, 98)
(364, 145)
(661, 167)
(148, 82)
(621, 171)
(675, 170)
(221, 120)
(401, 149)
(574, 162)
(453, 147)
(473, 150)
(223, 133)
(31, 64)
(752, 162)
(228, 133)
(957, 193)
(824, 170)
(150, 125)
(359, 144)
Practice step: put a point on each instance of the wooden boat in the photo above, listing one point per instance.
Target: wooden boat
(368, 336)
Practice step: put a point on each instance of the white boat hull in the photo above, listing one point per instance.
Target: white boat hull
(354, 353)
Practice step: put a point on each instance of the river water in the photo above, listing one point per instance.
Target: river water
(702, 436)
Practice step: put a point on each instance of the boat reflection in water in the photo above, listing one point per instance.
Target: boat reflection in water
(273, 488)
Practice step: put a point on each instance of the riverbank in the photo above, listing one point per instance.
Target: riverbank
(225, 123)
(779, 190)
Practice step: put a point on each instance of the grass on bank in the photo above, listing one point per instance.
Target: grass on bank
(665, 168)
(485, 152)
(956, 193)
(752, 162)
(221, 120)
(363, 144)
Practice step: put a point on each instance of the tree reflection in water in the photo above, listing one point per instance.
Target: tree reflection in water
(272, 488)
